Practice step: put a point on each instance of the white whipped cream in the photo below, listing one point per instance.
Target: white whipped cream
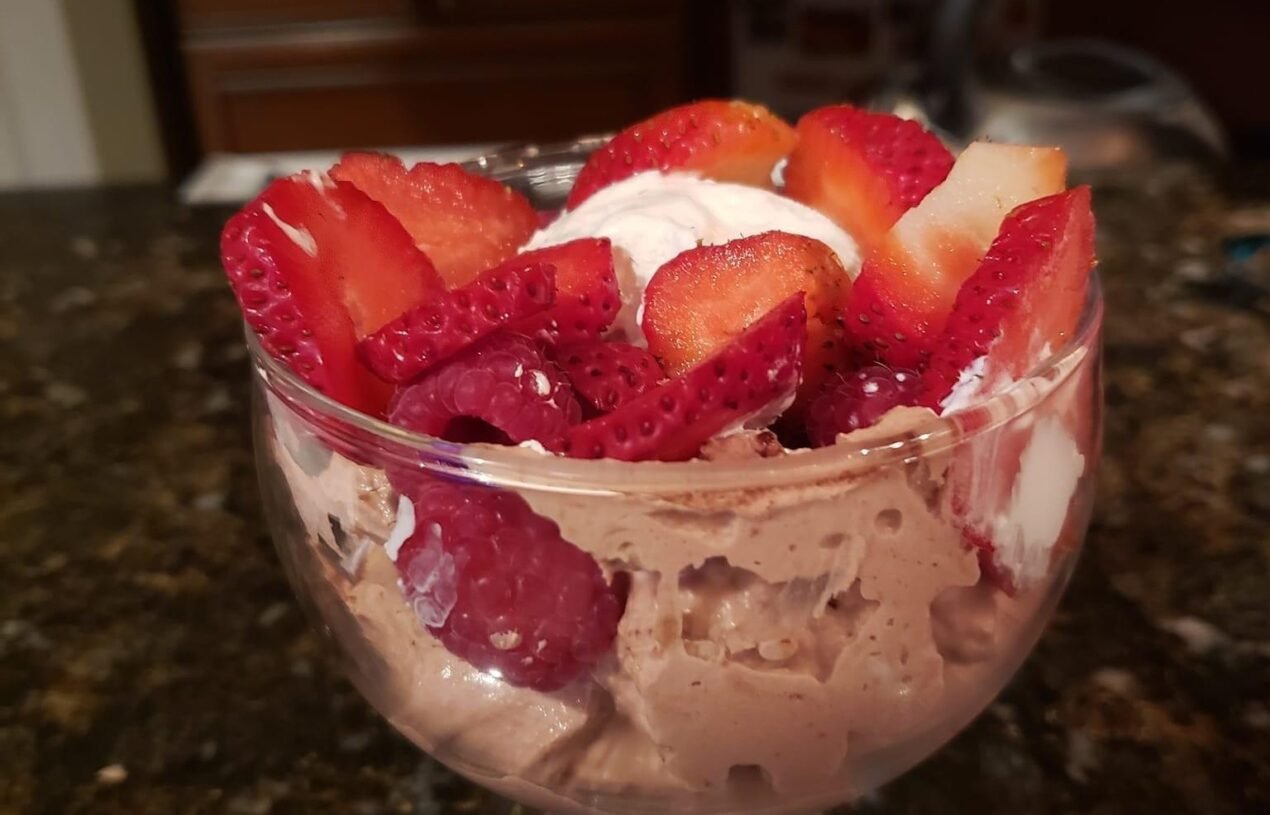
(1025, 534)
(402, 529)
(969, 389)
(976, 382)
(652, 217)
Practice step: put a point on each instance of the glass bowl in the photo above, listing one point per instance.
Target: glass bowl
(798, 629)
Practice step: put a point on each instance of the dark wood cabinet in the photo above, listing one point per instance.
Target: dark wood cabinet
(309, 74)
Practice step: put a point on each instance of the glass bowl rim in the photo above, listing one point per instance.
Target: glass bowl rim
(517, 466)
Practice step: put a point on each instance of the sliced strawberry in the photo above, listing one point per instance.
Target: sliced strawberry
(864, 170)
(452, 320)
(704, 298)
(724, 140)
(465, 222)
(1028, 292)
(587, 299)
(316, 265)
(754, 373)
(908, 284)
(607, 375)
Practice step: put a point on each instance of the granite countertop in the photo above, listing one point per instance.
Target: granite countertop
(152, 658)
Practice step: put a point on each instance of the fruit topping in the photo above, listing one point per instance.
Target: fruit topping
(502, 390)
(587, 298)
(464, 222)
(723, 140)
(705, 297)
(858, 399)
(607, 375)
(499, 587)
(907, 286)
(748, 380)
(862, 169)
(452, 320)
(316, 265)
(1027, 293)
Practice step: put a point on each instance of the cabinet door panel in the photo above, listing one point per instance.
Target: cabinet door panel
(374, 83)
(495, 10)
(204, 15)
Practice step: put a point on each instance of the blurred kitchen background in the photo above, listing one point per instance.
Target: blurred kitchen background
(219, 94)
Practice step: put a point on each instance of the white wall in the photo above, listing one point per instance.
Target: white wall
(106, 41)
(45, 136)
(75, 104)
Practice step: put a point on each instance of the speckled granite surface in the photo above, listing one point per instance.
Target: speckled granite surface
(152, 658)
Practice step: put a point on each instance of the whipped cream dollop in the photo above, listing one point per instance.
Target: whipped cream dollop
(1025, 533)
(653, 216)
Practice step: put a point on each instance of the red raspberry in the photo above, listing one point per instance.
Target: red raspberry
(501, 390)
(499, 587)
(608, 374)
(858, 399)
(450, 321)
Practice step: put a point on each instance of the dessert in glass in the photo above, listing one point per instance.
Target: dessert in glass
(720, 466)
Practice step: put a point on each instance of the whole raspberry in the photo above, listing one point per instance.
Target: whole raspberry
(500, 390)
(858, 399)
(499, 587)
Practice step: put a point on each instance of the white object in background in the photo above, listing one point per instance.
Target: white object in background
(45, 137)
(232, 178)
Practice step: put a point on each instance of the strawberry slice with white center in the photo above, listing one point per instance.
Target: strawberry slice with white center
(1027, 294)
(862, 169)
(315, 265)
(753, 375)
(704, 298)
(466, 223)
(724, 140)
(587, 298)
(907, 286)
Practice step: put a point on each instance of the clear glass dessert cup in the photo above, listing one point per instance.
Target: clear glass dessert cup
(798, 629)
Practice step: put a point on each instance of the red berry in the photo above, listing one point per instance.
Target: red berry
(981, 544)
(858, 399)
(501, 390)
(702, 298)
(756, 372)
(316, 265)
(863, 169)
(499, 587)
(453, 320)
(465, 222)
(724, 140)
(909, 281)
(587, 299)
(607, 375)
(546, 217)
(1028, 291)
